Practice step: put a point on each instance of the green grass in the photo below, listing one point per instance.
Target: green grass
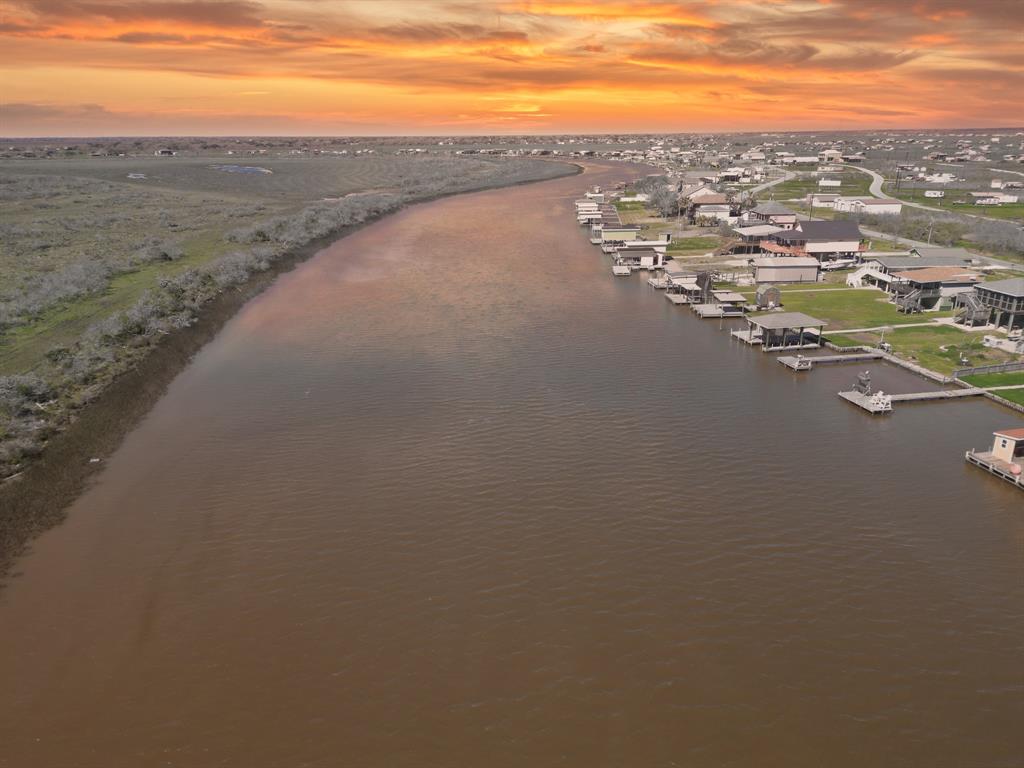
(855, 184)
(1010, 379)
(960, 201)
(936, 347)
(700, 244)
(851, 309)
(629, 206)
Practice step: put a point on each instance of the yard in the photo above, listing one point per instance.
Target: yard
(1013, 378)
(937, 347)
(851, 308)
(854, 184)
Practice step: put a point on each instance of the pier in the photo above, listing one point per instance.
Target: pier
(799, 363)
(879, 403)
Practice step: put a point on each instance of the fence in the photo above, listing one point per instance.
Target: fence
(997, 368)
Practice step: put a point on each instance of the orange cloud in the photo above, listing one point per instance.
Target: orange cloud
(429, 66)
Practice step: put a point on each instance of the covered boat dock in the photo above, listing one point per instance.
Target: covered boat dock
(777, 331)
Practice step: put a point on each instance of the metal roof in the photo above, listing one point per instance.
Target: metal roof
(1013, 286)
(787, 261)
(776, 321)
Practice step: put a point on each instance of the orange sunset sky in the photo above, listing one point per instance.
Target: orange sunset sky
(165, 67)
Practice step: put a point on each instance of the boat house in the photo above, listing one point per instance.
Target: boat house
(776, 331)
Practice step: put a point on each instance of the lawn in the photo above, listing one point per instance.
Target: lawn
(936, 347)
(1010, 379)
(701, 244)
(855, 184)
(854, 308)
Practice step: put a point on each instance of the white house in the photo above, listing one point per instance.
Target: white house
(934, 193)
(871, 206)
(830, 183)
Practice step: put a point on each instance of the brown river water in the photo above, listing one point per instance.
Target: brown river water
(449, 494)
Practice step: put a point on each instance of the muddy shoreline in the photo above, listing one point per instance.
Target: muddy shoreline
(38, 498)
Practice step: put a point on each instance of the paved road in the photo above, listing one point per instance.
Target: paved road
(876, 190)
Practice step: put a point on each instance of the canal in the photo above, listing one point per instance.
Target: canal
(449, 494)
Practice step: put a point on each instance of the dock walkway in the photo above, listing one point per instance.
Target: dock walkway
(854, 357)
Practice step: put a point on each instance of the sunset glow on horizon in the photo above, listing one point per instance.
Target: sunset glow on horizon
(305, 67)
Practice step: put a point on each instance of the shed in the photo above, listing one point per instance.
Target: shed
(786, 269)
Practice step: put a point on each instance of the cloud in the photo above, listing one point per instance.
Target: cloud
(424, 33)
(605, 62)
(207, 13)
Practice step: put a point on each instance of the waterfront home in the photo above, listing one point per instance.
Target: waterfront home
(786, 269)
(1006, 459)
(920, 290)
(1005, 299)
(872, 206)
(772, 213)
(776, 331)
(824, 240)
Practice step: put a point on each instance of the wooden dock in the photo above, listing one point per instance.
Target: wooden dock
(678, 298)
(868, 403)
(940, 394)
(854, 357)
(864, 401)
(996, 467)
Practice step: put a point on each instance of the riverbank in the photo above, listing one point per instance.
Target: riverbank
(36, 498)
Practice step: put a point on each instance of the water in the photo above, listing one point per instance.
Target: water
(451, 495)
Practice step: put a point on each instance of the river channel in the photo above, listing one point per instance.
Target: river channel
(449, 494)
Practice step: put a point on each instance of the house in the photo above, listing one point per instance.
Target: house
(822, 199)
(824, 240)
(1006, 459)
(830, 156)
(934, 193)
(751, 237)
(1006, 300)
(871, 206)
(773, 213)
(786, 269)
(830, 183)
(920, 290)
(618, 233)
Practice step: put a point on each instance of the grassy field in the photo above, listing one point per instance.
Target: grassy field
(960, 201)
(936, 347)
(853, 308)
(855, 184)
(1010, 379)
(692, 245)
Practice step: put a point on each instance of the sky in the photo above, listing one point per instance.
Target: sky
(407, 67)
